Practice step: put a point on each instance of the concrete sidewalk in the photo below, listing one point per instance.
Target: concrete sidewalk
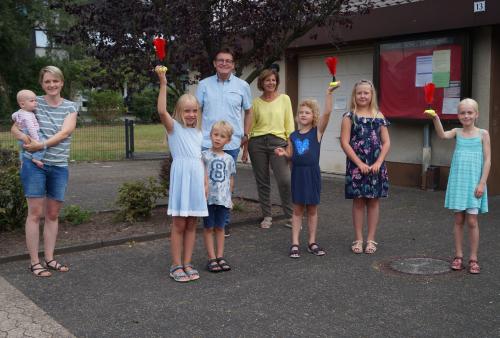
(94, 186)
(125, 291)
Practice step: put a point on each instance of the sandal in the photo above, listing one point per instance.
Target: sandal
(266, 223)
(474, 267)
(57, 266)
(371, 247)
(294, 251)
(357, 246)
(178, 274)
(223, 264)
(316, 250)
(213, 266)
(192, 273)
(39, 272)
(457, 264)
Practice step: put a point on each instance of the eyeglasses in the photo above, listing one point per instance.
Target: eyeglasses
(222, 61)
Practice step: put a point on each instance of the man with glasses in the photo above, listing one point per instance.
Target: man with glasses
(224, 96)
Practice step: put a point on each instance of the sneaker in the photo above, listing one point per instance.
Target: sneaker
(226, 231)
(266, 222)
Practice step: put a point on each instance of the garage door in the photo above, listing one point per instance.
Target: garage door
(313, 81)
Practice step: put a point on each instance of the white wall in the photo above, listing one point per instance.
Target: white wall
(314, 77)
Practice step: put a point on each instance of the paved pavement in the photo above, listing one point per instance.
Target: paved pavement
(125, 291)
(20, 317)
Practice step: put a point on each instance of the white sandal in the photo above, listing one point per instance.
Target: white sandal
(266, 223)
(357, 246)
(371, 247)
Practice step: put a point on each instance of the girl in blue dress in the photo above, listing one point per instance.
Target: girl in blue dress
(186, 196)
(303, 149)
(466, 191)
(365, 140)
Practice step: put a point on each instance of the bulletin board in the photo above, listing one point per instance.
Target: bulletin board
(404, 67)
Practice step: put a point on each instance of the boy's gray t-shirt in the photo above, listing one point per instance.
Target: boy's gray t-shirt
(219, 168)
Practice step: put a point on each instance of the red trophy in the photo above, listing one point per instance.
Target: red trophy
(160, 45)
(331, 62)
(429, 98)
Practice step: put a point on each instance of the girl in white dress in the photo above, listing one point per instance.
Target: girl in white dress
(186, 197)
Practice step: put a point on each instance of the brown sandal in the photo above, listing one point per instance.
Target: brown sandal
(57, 266)
(39, 271)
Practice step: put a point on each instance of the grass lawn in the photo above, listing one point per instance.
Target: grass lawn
(100, 143)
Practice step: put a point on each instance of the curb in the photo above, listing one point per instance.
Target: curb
(119, 241)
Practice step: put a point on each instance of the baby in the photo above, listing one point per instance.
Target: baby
(27, 122)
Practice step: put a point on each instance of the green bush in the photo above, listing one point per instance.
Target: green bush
(164, 175)
(106, 105)
(143, 104)
(137, 199)
(75, 215)
(13, 206)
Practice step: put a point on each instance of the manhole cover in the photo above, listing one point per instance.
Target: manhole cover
(420, 266)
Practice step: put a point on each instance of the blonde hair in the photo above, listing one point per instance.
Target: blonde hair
(224, 127)
(373, 103)
(23, 95)
(470, 102)
(179, 108)
(314, 106)
(51, 70)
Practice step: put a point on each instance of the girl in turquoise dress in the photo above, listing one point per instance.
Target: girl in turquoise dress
(186, 198)
(365, 140)
(466, 191)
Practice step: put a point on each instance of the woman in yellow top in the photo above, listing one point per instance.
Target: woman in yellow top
(272, 125)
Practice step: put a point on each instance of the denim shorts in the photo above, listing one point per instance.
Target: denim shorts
(50, 181)
(216, 216)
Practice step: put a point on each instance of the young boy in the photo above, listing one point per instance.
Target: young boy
(220, 168)
(25, 118)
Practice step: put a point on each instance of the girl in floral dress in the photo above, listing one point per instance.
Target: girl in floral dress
(365, 141)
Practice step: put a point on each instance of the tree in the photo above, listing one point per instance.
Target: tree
(120, 32)
(19, 67)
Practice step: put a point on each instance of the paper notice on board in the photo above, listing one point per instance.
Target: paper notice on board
(423, 74)
(450, 105)
(441, 68)
(441, 80)
(453, 90)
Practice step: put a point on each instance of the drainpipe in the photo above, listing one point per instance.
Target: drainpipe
(426, 154)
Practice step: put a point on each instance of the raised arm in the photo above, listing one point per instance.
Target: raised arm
(325, 117)
(440, 131)
(345, 136)
(165, 117)
(486, 165)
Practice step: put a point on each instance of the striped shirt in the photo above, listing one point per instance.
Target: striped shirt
(51, 120)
